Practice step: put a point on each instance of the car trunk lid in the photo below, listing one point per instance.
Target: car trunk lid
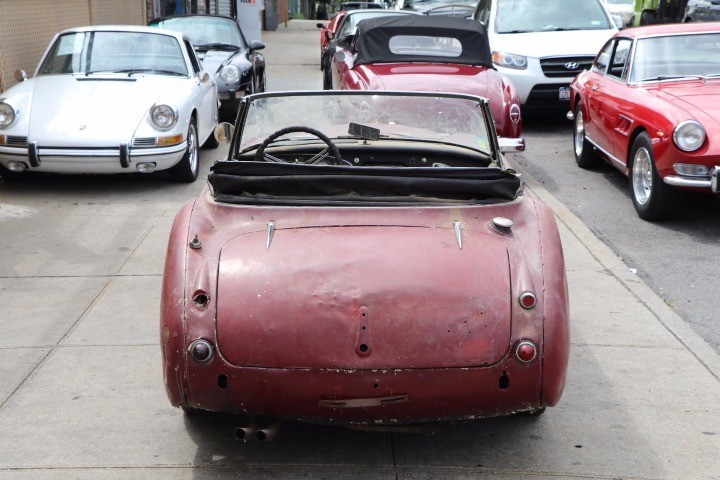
(363, 297)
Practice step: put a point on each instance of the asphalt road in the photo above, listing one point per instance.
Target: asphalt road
(677, 258)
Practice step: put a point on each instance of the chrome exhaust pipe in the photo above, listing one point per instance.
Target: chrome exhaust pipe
(258, 430)
(267, 430)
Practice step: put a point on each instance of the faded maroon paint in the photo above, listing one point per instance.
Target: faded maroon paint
(532, 257)
(434, 77)
(364, 285)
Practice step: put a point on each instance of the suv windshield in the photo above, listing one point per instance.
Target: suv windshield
(521, 16)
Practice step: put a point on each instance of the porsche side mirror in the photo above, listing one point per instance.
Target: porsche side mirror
(20, 75)
(205, 77)
(256, 45)
(224, 132)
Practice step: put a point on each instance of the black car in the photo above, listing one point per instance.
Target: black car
(344, 34)
(219, 42)
(702, 11)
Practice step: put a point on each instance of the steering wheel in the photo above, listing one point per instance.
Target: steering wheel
(334, 153)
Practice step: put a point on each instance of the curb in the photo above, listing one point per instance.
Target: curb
(616, 268)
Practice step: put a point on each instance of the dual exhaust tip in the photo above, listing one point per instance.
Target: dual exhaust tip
(257, 429)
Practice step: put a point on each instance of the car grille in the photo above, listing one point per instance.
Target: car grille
(547, 94)
(15, 141)
(144, 142)
(554, 67)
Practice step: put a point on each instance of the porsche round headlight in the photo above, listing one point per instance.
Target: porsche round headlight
(689, 135)
(162, 116)
(230, 73)
(7, 114)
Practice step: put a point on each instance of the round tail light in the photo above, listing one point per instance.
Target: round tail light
(527, 300)
(526, 351)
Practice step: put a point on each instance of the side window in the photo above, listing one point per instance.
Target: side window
(618, 64)
(603, 59)
(193, 58)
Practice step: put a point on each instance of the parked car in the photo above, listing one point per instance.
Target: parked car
(452, 8)
(110, 99)
(542, 45)
(625, 9)
(344, 33)
(364, 258)
(649, 107)
(429, 53)
(326, 33)
(238, 66)
(702, 11)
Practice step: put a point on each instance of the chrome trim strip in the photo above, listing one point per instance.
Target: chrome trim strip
(678, 181)
(270, 234)
(613, 159)
(458, 233)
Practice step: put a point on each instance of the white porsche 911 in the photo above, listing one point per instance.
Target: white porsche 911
(110, 99)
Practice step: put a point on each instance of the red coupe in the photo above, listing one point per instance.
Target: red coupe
(364, 258)
(327, 32)
(429, 53)
(650, 106)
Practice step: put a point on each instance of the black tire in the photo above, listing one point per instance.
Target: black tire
(652, 198)
(585, 154)
(186, 170)
(648, 17)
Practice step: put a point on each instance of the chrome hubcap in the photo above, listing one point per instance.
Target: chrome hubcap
(192, 148)
(642, 176)
(579, 133)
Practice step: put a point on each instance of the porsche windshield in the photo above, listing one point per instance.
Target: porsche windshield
(114, 52)
(439, 118)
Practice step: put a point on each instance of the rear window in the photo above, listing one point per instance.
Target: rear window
(425, 45)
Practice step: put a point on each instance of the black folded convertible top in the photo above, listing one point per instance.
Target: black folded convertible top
(301, 184)
(372, 42)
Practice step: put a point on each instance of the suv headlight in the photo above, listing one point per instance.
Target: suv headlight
(162, 116)
(7, 115)
(689, 135)
(230, 73)
(509, 60)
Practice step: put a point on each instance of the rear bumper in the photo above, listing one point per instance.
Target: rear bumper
(378, 397)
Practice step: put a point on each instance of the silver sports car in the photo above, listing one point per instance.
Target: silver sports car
(110, 99)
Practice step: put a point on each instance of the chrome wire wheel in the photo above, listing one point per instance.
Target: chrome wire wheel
(192, 148)
(642, 176)
(579, 133)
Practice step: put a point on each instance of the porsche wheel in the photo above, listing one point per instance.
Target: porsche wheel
(653, 199)
(585, 154)
(187, 168)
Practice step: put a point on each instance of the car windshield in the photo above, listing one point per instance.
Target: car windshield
(114, 52)
(522, 16)
(451, 120)
(349, 26)
(676, 57)
(205, 31)
(621, 2)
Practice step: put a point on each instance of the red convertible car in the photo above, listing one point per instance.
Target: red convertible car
(429, 53)
(364, 258)
(650, 106)
(327, 32)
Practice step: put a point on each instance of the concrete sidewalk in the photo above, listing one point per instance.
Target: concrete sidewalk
(81, 392)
